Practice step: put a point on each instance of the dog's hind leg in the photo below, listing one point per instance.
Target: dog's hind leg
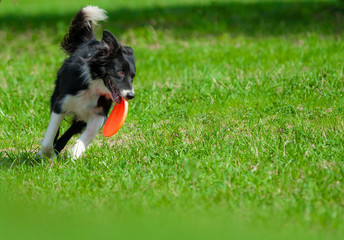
(47, 149)
(92, 128)
(75, 128)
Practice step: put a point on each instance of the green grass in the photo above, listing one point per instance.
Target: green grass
(237, 128)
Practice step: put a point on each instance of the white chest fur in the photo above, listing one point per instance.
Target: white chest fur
(84, 104)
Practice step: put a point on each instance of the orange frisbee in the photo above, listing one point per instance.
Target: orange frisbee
(116, 118)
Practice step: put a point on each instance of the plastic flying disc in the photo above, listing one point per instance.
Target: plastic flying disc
(116, 118)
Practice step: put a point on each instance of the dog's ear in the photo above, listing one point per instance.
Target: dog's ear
(110, 42)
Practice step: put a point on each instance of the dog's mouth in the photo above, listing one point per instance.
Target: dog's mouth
(114, 93)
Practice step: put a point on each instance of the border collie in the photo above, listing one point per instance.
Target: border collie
(95, 74)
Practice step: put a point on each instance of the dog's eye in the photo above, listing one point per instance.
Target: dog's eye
(120, 72)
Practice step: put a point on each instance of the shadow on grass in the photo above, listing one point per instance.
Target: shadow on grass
(249, 19)
(9, 159)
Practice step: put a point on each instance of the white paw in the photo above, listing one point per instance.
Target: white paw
(78, 149)
(47, 152)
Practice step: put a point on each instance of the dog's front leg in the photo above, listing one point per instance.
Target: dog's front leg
(47, 149)
(92, 128)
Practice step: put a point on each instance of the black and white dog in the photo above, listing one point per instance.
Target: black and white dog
(96, 74)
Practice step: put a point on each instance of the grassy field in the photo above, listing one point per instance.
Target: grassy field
(237, 128)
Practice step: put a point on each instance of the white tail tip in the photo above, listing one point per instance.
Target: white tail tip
(94, 14)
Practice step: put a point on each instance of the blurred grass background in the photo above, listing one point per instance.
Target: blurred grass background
(236, 130)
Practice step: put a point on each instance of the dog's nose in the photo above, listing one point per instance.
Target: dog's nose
(130, 95)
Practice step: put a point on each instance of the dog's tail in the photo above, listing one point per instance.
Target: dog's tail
(81, 29)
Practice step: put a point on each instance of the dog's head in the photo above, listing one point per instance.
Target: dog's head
(116, 66)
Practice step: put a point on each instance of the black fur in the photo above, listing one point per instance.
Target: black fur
(79, 32)
(75, 128)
